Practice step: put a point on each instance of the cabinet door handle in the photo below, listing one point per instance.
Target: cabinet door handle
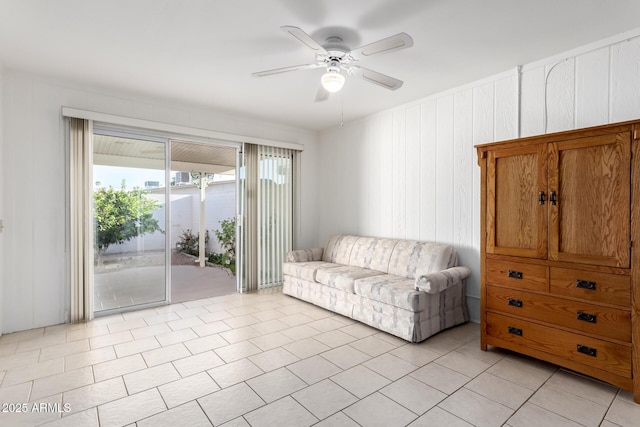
(553, 198)
(587, 350)
(515, 302)
(585, 284)
(586, 317)
(514, 274)
(515, 331)
(541, 198)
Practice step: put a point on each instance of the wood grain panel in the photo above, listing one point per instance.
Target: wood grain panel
(532, 102)
(591, 177)
(625, 78)
(516, 219)
(399, 175)
(533, 277)
(607, 322)
(428, 162)
(386, 176)
(374, 181)
(463, 168)
(592, 88)
(608, 288)
(516, 222)
(506, 108)
(615, 358)
(560, 89)
(413, 183)
(483, 114)
(444, 169)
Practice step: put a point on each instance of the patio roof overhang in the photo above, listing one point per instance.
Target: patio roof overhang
(185, 156)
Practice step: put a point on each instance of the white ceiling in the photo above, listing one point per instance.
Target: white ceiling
(204, 51)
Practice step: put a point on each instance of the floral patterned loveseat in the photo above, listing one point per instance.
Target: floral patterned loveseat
(407, 288)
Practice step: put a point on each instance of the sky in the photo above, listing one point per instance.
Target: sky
(134, 177)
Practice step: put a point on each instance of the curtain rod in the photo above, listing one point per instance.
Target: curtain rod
(178, 130)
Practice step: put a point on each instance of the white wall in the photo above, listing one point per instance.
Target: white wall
(36, 291)
(412, 172)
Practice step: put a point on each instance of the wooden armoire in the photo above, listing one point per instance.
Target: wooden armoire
(560, 249)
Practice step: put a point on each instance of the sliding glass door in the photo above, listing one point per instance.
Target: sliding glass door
(203, 212)
(164, 220)
(130, 248)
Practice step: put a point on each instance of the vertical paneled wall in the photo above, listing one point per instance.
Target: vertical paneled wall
(601, 85)
(412, 172)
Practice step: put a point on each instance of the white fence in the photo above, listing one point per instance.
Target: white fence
(220, 204)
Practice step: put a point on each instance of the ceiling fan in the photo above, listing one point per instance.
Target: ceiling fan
(336, 57)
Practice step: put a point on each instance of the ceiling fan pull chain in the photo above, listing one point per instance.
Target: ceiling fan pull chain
(342, 109)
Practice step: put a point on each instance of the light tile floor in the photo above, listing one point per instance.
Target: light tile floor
(265, 359)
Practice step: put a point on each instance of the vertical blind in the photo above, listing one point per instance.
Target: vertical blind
(80, 223)
(268, 214)
(275, 217)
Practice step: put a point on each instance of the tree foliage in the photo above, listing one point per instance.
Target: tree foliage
(121, 215)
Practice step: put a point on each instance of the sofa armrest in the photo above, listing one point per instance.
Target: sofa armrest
(432, 283)
(305, 255)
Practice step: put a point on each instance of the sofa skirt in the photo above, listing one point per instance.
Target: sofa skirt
(444, 310)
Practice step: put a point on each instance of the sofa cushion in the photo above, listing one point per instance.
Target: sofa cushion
(306, 270)
(409, 257)
(305, 255)
(372, 253)
(338, 249)
(343, 277)
(393, 290)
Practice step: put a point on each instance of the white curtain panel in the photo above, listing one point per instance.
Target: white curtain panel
(81, 224)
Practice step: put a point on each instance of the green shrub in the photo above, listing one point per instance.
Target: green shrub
(189, 242)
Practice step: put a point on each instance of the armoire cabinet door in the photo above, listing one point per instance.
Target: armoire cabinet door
(517, 201)
(589, 179)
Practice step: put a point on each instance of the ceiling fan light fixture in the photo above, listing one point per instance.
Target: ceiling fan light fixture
(332, 80)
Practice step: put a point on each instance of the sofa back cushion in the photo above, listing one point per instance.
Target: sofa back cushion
(338, 249)
(410, 258)
(372, 253)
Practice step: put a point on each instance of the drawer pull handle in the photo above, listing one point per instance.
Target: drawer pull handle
(514, 274)
(515, 331)
(515, 302)
(587, 350)
(585, 284)
(586, 317)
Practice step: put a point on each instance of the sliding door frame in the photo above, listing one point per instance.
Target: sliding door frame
(167, 139)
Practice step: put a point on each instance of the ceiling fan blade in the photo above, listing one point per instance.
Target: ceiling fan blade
(390, 44)
(305, 39)
(374, 77)
(322, 94)
(284, 70)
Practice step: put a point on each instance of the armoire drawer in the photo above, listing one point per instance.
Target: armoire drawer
(580, 316)
(517, 275)
(614, 358)
(592, 286)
